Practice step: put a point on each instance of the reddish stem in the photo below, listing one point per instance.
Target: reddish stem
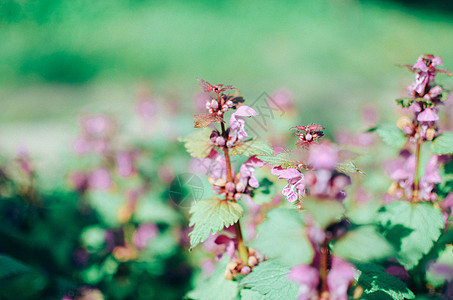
(417, 169)
(325, 257)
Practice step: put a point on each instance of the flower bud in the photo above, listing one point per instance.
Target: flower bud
(245, 270)
(237, 196)
(403, 122)
(252, 261)
(220, 112)
(220, 141)
(229, 103)
(208, 105)
(230, 187)
(430, 133)
(214, 104)
(225, 108)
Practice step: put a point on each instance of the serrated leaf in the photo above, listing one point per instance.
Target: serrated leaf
(374, 280)
(281, 159)
(248, 294)
(445, 260)
(443, 144)
(363, 244)
(252, 147)
(415, 227)
(198, 144)
(271, 280)
(324, 211)
(215, 287)
(204, 120)
(282, 237)
(211, 216)
(348, 167)
(391, 135)
(406, 102)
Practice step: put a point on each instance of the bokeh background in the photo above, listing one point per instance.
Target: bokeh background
(61, 60)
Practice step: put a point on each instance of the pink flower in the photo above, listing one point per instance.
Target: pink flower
(430, 179)
(124, 162)
(237, 124)
(100, 179)
(296, 183)
(247, 172)
(308, 279)
(323, 156)
(144, 233)
(427, 115)
(222, 243)
(97, 125)
(339, 277)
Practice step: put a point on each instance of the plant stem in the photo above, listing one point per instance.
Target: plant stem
(417, 167)
(325, 256)
(243, 250)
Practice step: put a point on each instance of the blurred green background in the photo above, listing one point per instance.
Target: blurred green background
(60, 58)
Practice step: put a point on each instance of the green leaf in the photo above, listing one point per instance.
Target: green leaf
(413, 228)
(281, 159)
(252, 147)
(198, 144)
(215, 287)
(445, 258)
(211, 216)
(406, 102)
(325, 212)
(282, 237)
(267, 189)
(248, 294)
(106, 205)
(271, 280)
(391, 135)
(443, 144)
(93, 238)
(11, 267)
(349, 167)
(374, 280)
(363, 244)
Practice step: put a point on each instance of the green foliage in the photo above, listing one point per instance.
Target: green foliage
(374, 280)
(324, 211)
(391, 135)
(363, 244)
(412, 228)
(11, 267)
(443, 144)
(215, 287)
(445, 258)
(211, 216)
(282, 237)
(349, 167)
(283, 159)
(198, 144)
(253, 147)
(267, 189)
(271, 280)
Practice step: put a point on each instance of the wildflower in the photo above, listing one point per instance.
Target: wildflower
(237, 124)
(339, 277)
(308, 279)
(144, 233)
(296, 183)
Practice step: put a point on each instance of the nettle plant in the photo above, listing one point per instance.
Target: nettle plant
(325, 241)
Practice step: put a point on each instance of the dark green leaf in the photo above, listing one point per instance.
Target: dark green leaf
(415, 227)
(374, 280)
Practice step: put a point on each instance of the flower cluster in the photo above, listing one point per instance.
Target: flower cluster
(425, 98)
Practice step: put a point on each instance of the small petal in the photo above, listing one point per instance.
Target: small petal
(428, 115)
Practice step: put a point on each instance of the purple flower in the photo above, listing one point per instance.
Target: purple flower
(222, 243)
(308, 279)
(339, 277)
(237, 124)
(144, 233)
(427, 115)
(97, 125)
(296, 183)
